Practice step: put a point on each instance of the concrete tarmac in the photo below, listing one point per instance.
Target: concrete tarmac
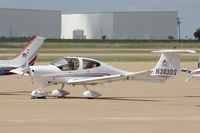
(125, 107)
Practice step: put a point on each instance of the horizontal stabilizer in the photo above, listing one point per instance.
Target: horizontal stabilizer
(174, 51)
(185, 70)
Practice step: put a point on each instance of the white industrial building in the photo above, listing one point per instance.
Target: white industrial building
(25, 23)
(120, 25)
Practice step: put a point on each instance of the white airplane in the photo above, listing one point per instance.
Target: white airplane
(194, 73)
(26, 57)
(85, 71)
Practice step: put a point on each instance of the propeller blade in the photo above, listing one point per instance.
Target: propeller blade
(22, 71)
(18, 71)
(20, 76)
(188, 79)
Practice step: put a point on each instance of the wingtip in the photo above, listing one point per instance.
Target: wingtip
(174, 51)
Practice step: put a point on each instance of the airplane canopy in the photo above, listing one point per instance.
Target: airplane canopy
(67, 64)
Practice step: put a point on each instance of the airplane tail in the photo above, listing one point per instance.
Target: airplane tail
(168, 65)
(195, 73)
(190, 71)
(199, 62)
(29, 53)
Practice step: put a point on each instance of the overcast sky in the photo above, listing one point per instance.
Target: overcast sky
(188, 10)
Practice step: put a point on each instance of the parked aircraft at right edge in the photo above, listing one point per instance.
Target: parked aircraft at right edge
(26, 57)
(195, 73)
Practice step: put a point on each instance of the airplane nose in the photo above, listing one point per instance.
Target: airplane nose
(26, 69)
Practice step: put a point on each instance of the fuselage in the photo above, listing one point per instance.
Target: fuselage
(6, 66)
(196, 73)
(56, 73)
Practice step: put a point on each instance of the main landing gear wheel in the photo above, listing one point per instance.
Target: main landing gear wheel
(90, 94)
(60, 93)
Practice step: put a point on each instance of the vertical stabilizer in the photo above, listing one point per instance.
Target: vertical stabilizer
(199, 62)
(29, 53)
(169, 63)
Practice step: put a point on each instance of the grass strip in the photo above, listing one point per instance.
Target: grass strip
(108, 44)
(116, 58)
(79, 51)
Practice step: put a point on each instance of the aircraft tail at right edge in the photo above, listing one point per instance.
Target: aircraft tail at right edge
(168, 65)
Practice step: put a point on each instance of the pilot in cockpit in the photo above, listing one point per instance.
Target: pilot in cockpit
(67, 64)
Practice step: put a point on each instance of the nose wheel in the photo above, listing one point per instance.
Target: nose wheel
(38, 93)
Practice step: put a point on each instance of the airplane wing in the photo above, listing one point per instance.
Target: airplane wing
(140, 76)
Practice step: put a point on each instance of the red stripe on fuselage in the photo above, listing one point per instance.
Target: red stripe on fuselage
(33, 60)
(29, 42)
(86, 75)
(6, 70)
(197, 72)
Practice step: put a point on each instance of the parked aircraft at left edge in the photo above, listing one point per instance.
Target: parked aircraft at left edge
(26, 57)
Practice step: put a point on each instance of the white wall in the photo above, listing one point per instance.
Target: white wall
(94, 25)
(145, 25)
(29, 22)
(122, 25)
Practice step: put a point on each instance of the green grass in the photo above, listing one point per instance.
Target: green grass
(79, 51)
(121, 45)
(97, 40)
(136, 44)
(62, 45)
(117, 58)
(122, 59)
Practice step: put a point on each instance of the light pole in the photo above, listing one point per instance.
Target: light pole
(179, 28)
(10, 31)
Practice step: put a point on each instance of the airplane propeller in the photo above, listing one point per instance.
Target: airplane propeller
(188, 79)
(24, 70)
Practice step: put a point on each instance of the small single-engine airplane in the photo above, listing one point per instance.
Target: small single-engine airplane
(194, 73)
(85, 71)
(28, 53)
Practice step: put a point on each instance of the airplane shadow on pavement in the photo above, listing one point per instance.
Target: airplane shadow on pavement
(133, 99)
(192, 96)
(15, 93)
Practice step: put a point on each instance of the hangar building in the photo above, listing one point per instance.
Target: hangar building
(120, 25)
(111, 25)
(25, 23)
